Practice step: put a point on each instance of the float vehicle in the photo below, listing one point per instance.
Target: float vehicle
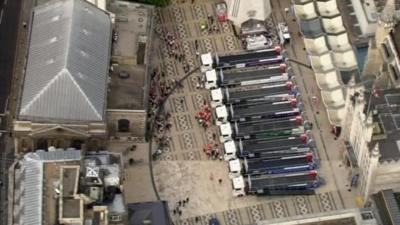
(260, 111)
(230, 152)
(263, 129)
(267, 94)
(254, 148)
(287, 164)
(234, 78)
(303, 183)
(241, 60)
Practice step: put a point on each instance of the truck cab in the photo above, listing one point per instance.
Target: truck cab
(221, 115)
(225, 132)
(235, 169)
(229, 150)
(238, 186)
(211, 80)
(217, 97)
(206, 62)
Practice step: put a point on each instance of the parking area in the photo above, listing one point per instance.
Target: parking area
(184, 171)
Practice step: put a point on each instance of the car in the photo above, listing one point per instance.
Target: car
(213, 221)
(283, 32)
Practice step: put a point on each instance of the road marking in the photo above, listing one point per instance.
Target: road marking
(1, 16)
(5, 2)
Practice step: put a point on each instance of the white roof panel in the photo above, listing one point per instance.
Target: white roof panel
(345, 59)
(67, 69)
(322, 63)
(333, 25)
(316, 46)
(339, 42)
(306, 11)
(329, 80)
(327, 8)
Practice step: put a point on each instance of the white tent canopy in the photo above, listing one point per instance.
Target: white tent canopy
(322, 63)
(333, 25)
(328, 8)
(336, 116)
(339, 42)
(333, 98)
(239, 11)
(316, 46)
(345, 60)
(328, 81)
(306, 11)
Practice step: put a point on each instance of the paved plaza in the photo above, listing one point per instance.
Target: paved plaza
(184, 170)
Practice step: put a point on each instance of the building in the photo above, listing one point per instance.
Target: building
(131, 70)
(338, 217)
(387, 204)
(64, 95)
(371, 149)
(155, 213)
(240, 11)
(65, 187)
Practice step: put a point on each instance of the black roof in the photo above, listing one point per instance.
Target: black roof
(387, 206)
(155, 212)
(386, 117)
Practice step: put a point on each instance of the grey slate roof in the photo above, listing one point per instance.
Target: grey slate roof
(32, 182)
(67, 69)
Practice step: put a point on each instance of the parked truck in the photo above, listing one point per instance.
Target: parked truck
(287, 164)
(263, 129)
(248, 112)
(241, 60)
(234, 78)
(283, 184)
(253, 148)
(231, 152)
(268, 94)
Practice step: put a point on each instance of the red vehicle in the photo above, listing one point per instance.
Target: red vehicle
(221, 11)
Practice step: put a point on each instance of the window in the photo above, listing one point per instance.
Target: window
(386, 50)
(123, 125)
(394, 72)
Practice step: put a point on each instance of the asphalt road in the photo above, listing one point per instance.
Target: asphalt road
(9, 17)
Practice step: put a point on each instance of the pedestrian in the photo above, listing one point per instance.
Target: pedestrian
(181, 101)
(220, 181)
(174, 211)
(192, 1)
(187, 199)
(214, 136)
(180, 212)
(180, 203)
(196, 219)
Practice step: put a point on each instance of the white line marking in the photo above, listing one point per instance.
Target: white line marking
(5, 2)
(1, 15)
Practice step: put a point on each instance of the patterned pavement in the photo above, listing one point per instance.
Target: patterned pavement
(284, 207)
(187, 138)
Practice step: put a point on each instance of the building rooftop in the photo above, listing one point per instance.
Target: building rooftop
(34, 167)
(130, 76)
(67, 68)
(388, 207)
(386, 118)
(156, 213)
